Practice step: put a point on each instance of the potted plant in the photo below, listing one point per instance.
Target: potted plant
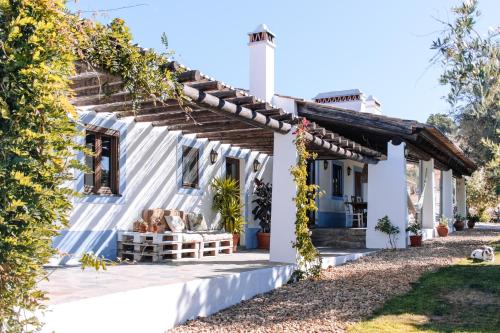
(472, 219)
(416, 238)
(262, 212)
(442, 228)
(459, 224)
(227, 202)
(143, 226)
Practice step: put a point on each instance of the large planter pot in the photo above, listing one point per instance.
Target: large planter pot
(442, 230)
(471, 224)
(416, 241)
(236, 239)
(263, 239)
(459, 225)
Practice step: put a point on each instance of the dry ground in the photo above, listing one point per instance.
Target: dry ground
(343, 295)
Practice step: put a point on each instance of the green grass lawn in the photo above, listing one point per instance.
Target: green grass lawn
(461, 298)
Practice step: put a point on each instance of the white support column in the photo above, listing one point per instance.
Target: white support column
(461, 197)
(387, 195)
(284, 191)
(429, 204)
(447, 196)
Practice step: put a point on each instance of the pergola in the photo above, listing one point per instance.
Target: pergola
(217, 112)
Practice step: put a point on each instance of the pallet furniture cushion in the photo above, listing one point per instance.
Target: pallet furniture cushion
(154, 217)
(197, 222)
(175, 223)
(191, 237)
(216, 236)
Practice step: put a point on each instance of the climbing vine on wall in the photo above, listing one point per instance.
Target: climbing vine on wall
(40, 42)
(309, 262)
(145, 73)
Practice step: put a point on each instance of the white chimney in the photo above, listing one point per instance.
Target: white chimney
(261, 43)
(373, 105)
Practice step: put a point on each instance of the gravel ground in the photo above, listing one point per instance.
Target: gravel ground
(344, 294)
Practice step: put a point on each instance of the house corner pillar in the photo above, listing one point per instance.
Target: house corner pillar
(387, 195)
(283, 205)
(447, 196)
(461, 197)
(428, 211)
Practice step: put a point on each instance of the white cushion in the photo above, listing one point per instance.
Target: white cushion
(191, 238)
(196, 222)
(210, 237)
(175, 223)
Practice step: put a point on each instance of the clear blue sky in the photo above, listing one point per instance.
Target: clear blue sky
(380, 47)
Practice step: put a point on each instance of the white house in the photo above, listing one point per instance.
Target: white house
(156, 157)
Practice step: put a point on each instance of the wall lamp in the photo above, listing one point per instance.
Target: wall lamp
(349, 170)
(256, 165)
(214, 155)
(325, 164)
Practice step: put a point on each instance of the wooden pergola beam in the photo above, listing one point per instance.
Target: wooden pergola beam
(178, 118)
(235, 133)
(209, 85)
(241, 100)
(238, 112)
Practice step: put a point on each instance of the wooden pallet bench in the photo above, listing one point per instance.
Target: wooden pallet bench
(215, 248)
(154, 247)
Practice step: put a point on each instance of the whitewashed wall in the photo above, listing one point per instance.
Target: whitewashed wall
(149, 178)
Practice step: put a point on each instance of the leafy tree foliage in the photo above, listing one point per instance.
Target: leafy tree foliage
(37, 128)
(39, 45)
(443, 123)
(471, 64)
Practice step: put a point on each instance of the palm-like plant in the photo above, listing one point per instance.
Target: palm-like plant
(227, 202)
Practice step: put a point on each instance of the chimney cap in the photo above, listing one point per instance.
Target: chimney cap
(262, 28)
(338, 93)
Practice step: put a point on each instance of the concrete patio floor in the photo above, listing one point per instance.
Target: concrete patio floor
(68, 284)
(169, 292)
(71, 283)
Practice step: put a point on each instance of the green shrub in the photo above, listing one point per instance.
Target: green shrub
(385, 226)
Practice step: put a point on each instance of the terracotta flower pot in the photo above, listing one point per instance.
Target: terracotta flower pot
(442, 230)
(471, 224)
(236, 239)
(143, 228)
(263, 239)
(459, 225)
(415, 240)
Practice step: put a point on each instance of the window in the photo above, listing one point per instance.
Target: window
(190, 158)
(103, 163)
(337, 180)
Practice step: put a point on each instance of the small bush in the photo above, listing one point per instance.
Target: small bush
(385, 226)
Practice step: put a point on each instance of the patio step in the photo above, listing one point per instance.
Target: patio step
(350, 238)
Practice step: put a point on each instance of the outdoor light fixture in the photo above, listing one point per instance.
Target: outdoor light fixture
(325, 164)
(256, 165)
(406, 151)
(349, 170)
(213, 156)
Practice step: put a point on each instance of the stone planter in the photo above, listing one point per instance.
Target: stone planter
(459, 225)
(416, 241)
(263, 240)
(442, 230)
(236, 239)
